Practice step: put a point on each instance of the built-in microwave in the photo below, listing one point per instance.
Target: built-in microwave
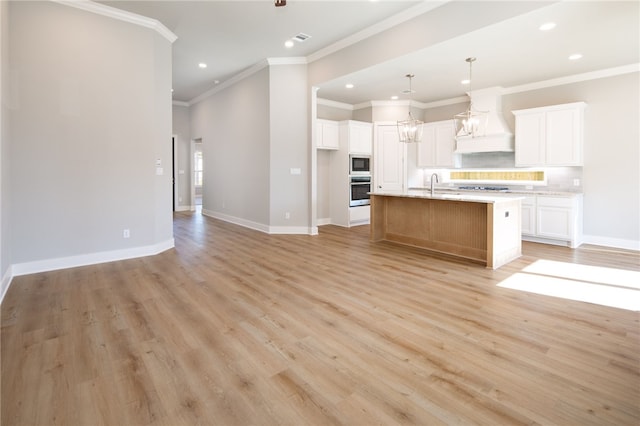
(359, 165)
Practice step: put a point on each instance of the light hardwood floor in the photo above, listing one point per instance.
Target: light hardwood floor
(236, 327)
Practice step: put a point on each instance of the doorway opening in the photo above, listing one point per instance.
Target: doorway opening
(198, 173)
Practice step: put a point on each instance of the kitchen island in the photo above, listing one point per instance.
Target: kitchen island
(483, 229)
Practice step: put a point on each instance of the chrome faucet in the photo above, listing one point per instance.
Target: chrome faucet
(432, 187)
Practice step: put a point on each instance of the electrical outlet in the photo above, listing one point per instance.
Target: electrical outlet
(126, 233)
(287, 215)
(576, 182)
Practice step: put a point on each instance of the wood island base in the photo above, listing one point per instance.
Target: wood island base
(475, 228)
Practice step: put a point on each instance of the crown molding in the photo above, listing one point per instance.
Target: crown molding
(121, 15)
(388, 23)
(335, 104)
(180, 103)
(444, 102)
(233, 80)
(577, 78)
(296, 60)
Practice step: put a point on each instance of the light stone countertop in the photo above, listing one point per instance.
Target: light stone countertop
(517, 191)
(450, 196)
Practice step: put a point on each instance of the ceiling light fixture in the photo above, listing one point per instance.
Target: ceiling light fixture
(288, 44)
(575, 56)
(202, 65)
(280, 3)
(410, 130)
(547, 26)
(471, 122)
(349, 86)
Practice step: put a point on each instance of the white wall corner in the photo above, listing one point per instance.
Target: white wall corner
(6, 282)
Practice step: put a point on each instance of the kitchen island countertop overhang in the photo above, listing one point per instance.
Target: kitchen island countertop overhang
(481, 228)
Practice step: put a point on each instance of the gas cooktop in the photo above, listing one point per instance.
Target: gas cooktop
(484, 188)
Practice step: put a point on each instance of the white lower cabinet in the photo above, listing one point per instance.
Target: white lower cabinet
(359, 215)
(529, 216)
(553, 219)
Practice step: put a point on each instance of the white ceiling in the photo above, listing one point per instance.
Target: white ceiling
(231, 36)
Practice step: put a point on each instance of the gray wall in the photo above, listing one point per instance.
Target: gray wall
(5, 228)
(234, 127)
(289, 146)
(253, 133)
(332, 113)
(90, 116)
(181, 130)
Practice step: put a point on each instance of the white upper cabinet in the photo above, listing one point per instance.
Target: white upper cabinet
(360, 136)
(438, 144)
(327, 134)
(550, 136)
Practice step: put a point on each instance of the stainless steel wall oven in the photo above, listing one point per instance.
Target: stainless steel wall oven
(359, 191)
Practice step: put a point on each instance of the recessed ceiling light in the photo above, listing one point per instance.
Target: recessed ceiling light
(394, 97)
(349, 85)
(575, 56)
(202, 65)
(465, 82)
(288, 44)
(547, 26)
(216, 81)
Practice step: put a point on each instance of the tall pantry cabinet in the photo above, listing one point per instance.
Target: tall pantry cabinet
(354, 137)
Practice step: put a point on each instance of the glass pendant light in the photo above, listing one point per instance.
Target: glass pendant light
(471, 123)
(410, 130)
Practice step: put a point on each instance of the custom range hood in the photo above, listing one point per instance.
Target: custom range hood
(497, 136)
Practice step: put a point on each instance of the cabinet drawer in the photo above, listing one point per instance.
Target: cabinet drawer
(555, 201)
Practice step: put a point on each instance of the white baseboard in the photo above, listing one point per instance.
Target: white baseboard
(90, 258)
(292, 230)
(612, 242)
(236, 220)
(184, 208)
(6, 282)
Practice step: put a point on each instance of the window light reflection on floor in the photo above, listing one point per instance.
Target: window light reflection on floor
(594, 284)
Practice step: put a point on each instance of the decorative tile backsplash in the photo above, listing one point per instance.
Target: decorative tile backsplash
(498, 175)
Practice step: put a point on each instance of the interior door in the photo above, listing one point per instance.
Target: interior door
(390, 173)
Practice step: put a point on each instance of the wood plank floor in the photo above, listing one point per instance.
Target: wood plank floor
(236, 327)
